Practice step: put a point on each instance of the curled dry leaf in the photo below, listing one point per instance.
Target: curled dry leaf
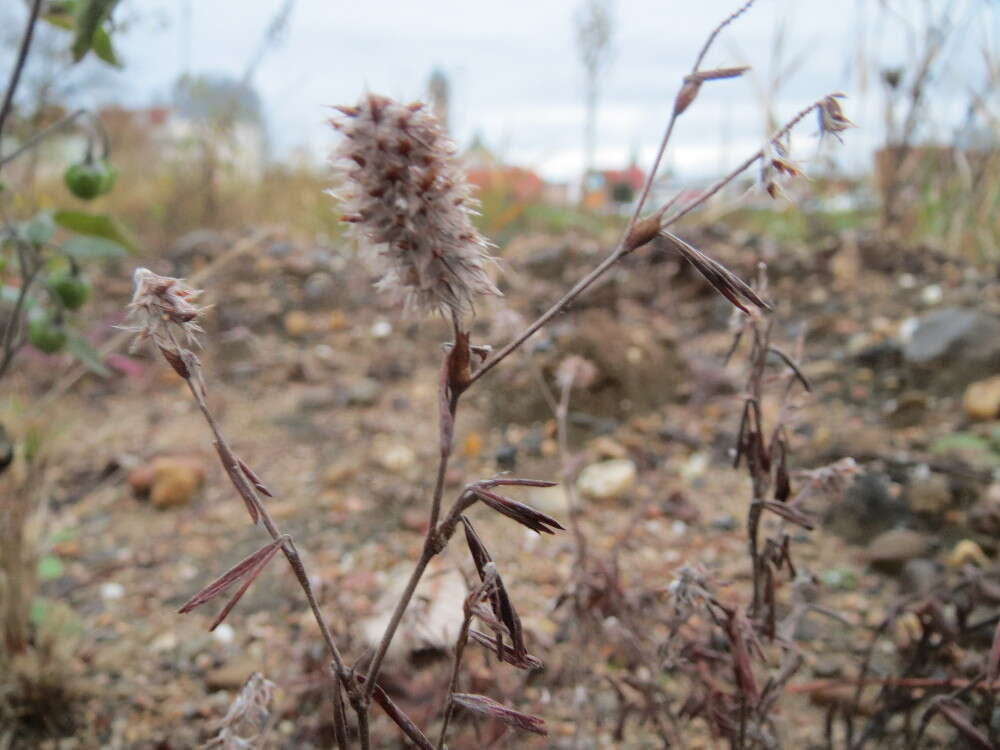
(505, 653)
(499, 599)
(489, 707)
(523, 514)
(724, 281)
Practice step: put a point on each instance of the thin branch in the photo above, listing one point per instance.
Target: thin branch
(22, 57)
(42, 135)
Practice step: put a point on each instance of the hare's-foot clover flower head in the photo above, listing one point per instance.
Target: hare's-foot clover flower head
(405, 193)
(159, 302)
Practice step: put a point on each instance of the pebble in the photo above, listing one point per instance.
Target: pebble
(224, 633)
(112, 591)
(608, 480)
(919, 576)
(930, 494)
(364, 392)
(297, 323)
(982, 399)
(381, 329)
(397, 458)
(170, 481)
(891, 549)
(967, 552)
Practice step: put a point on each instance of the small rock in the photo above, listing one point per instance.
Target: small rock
(319, 289)
(984, 516)
(953, 345)
(608, 480)
(725, 522)
(919, 576)
(231, 676)
(506, 457)
(225, 633)
(381, 329)
(364, 392)
(169, 481)
(551, 500)
(297, 323)
(967, 552)
(432, 622)
(827, 669)
(318, 398)
(472, 446)
(890, 550)
(930, 494)
(112, 591)
(397, 458)
(982, 399)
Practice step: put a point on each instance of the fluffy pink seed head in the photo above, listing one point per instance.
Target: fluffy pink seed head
(405, 194)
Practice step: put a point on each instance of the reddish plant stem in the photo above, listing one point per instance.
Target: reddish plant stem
(460, 644)
(288, 547)
(432, 545)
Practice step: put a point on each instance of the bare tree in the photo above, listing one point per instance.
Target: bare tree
(594, 30)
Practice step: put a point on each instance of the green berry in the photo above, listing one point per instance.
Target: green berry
(46, 335)
(72, 290)
(84, 180)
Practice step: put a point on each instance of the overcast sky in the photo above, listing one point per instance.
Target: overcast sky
(515, 75)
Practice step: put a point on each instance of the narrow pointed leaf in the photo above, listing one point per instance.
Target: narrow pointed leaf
(523, 514)
(500, 601)
(231, 464)
(254, 479)
(248, 568)
(506, 653)
(489, 707)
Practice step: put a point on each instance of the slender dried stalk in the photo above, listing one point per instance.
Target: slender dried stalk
(249, 493)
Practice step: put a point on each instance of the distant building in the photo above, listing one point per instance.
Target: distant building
(613, 189)
(489, 174)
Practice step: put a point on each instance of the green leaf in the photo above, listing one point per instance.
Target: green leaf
(89, 18)
(95, 225)
(92, 248)
(50, 567)
(60, 13)
(39, 229)
(88, 356)
(104, 49)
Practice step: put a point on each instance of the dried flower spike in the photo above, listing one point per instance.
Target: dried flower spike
(159, 302)
(405, 193)
(831, 117)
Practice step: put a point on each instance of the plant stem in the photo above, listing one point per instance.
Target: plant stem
(431, 548)
(460, 644)
(42, 135)
(288, 548)
(22, 57)
(12, 333)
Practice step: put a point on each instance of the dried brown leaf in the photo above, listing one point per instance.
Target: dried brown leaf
(489, 707)
(506, 653)
(523, 514)
(247, 570)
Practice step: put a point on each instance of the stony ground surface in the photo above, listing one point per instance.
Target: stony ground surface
(330, 397)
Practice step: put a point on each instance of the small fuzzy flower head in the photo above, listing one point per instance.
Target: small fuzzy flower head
(776, 168)
(831, 117)
(159, 302)
(405, 193)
